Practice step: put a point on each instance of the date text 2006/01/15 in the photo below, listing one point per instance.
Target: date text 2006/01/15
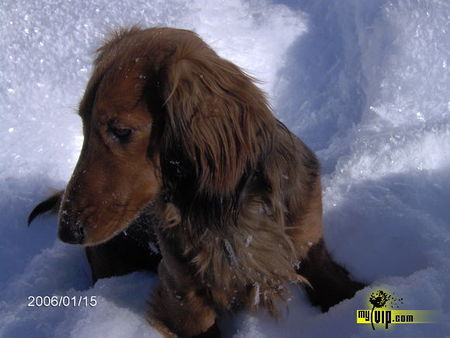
(62, 301)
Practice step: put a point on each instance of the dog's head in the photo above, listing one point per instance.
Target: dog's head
(162, 115)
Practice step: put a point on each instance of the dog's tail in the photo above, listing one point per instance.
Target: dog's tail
(51, 204)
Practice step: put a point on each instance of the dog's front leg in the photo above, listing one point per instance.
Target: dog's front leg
(178, 307)
(179, 304)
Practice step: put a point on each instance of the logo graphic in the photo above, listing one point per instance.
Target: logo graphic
(383, 310)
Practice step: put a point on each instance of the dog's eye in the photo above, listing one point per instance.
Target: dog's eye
(122, 134)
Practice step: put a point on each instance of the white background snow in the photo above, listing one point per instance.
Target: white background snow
(364, 82)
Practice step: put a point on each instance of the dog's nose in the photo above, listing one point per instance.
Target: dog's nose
(71, 233)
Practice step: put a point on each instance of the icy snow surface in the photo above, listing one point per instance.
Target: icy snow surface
(364, 82)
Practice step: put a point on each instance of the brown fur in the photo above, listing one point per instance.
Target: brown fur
(229, 195)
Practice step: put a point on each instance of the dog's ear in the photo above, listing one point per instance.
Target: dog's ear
(215, 117)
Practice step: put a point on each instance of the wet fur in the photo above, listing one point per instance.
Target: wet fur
(236, 212)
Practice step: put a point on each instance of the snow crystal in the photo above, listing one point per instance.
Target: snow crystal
(257, 294)
(230, 252)
(248, 241)
(153, 248)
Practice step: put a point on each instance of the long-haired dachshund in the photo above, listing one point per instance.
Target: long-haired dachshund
(184, 168)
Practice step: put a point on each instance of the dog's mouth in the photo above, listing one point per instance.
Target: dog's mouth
(92, 226)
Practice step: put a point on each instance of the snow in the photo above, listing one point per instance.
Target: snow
(364, 82)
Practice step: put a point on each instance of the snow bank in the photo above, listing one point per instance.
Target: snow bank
(365, 83)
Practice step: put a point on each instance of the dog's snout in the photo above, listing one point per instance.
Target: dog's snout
(70, 232)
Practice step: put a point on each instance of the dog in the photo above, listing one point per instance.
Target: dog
(184, 170)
